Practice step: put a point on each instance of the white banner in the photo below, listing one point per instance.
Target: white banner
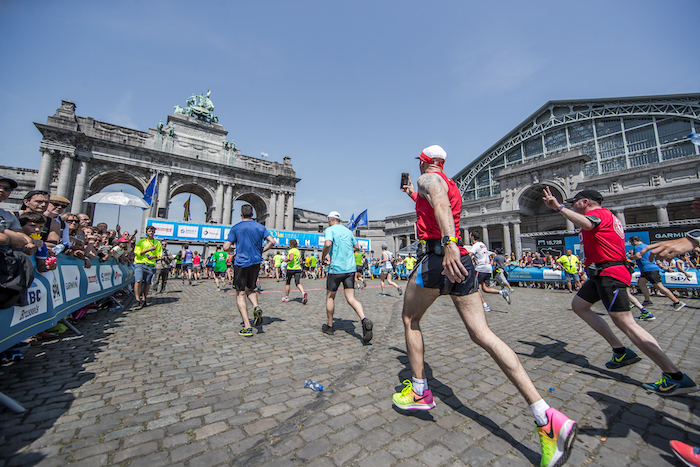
(164, 230)
(188, 231)
(105, 273)
(38, 304)
(680, 278)
(54, 278)
(71, 281)
(118, 276)
(211, 233)
(93, 284)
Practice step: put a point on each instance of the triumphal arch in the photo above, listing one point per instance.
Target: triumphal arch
(191, 153)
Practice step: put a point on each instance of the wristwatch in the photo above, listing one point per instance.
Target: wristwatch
(694, 234)
(447, 239)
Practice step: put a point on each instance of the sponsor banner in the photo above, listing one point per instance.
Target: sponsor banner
(518, 274)
(55, 294)
(71, 281)
(37, 299)
(676, 278)
(105, 275)
(187, 231)
(93, 284)
(54, 280)
(163, 230)
(118, 276)
(213, 233)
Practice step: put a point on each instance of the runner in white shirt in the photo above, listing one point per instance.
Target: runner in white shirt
(482, 265)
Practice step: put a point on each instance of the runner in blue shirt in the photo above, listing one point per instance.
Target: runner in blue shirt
(650, 272)
(339, 249)
(248, 236)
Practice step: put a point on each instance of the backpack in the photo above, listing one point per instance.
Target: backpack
(16, 276)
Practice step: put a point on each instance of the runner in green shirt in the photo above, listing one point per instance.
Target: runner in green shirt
(294, 271)
(219, 265)
(359, 277)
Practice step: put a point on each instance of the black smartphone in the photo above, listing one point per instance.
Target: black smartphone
(404, 179)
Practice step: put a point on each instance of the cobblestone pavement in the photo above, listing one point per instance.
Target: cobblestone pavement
(174, 384)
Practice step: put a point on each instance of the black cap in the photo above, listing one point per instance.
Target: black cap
(586, 194)
(13, 184)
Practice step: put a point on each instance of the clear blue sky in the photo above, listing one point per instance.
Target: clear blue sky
(350, 91)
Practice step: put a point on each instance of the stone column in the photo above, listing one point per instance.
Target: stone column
(279, 217)
(43, 180)
(79, 193)
(570, 225)
(465, 236)
(64, 176)
(506, 238)
(620, 213)
(661, 213)
(228, 205)
(516, 238)
(219, 204)
(163, 193)
(271, 211)
(289, 217)
(485, 236)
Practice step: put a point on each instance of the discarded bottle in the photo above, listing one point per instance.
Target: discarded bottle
(313, 385)
(694, 137)
(58, 249)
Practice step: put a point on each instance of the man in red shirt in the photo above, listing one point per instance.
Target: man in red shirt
(445, 268)
(602, 239)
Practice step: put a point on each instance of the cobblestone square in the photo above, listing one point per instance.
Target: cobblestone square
(174, 384)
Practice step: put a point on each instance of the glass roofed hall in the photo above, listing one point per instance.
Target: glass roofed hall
(618, 134)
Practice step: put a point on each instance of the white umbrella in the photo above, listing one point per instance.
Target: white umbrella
(119, 198)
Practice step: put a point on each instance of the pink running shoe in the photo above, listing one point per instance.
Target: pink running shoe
(556, 438)
(305, 300)
(285, 299)
(686, 453)
(409, 400)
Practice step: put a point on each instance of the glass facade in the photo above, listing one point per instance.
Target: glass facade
(614, 144)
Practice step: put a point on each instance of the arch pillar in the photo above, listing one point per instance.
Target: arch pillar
(506, 238)
(279, 217)
(228, 205)
(64, 176)
(661, 213)
(516, 237)
(485, 236)
(79, 192)
(164, 194)
(289, 216)
(219, 203)
(271, 211)
(43, 180)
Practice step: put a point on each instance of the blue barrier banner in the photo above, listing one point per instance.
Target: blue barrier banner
(214, 233)
(55, 294)
(674, 280)
(518, 274)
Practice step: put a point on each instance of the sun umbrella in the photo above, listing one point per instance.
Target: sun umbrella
(119, 198)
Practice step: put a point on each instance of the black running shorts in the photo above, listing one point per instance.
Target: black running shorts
(358, 268)
(652, 276)
(245, 277)
(428, 274)
(293, 273)
(611, 291)
(484, 278)
(333, 281)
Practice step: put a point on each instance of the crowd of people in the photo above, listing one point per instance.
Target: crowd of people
(444, 266)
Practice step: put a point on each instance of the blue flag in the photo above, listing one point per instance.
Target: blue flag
(351, 222)
(151, 190)
(361, 220)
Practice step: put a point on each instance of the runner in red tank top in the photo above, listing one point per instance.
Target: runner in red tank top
(603, 240)
(445, 268)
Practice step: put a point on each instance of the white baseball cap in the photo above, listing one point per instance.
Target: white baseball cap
(334, 215)
(431, 153)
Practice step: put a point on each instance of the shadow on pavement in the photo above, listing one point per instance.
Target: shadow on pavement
(347, 325)
(618, 424)
(557, 350)
(448, 397)
(42, 384)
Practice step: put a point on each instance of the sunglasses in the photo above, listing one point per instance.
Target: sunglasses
(62, 206)
(6, 187)
(70, 221)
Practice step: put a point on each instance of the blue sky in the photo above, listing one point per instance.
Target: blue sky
(350, 91)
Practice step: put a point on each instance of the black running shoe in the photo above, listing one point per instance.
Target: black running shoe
(327, 329)
(366, 330)
(257, 314)
(618, 361)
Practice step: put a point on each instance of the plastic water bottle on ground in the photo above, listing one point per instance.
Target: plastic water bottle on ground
(60, 247)
(313, 385)
(694, 137)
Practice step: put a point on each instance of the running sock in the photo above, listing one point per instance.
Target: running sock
(620, 350)
(419, 385)
(539, 410)
(676, 376)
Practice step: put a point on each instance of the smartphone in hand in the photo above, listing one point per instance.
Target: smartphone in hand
(404, 179)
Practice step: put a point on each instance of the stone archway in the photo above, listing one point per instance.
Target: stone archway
(188, 154)
(535, 215)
